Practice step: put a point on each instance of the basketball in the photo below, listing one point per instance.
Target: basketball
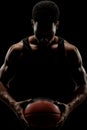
(42, 114)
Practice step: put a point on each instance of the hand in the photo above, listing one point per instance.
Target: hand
(18, 108)
(65, 110)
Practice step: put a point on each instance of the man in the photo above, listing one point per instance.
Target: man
(43, 65)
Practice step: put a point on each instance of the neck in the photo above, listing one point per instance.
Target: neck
(44, 43)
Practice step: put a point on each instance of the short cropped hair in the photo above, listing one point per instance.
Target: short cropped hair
(45, 11)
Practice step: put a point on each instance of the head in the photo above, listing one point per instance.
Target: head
(45, 19)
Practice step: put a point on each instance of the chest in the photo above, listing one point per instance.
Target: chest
(39, 72)
(47, 66)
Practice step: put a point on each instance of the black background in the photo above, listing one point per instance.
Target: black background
(15, 24)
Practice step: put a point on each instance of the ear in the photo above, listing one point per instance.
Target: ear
(32, 23)
(57, 24)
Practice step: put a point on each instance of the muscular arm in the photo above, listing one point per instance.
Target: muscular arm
(7, 71)
(79, 76)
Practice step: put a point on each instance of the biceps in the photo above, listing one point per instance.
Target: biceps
(80, 76)
(5, 74)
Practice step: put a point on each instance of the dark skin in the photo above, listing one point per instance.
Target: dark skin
(45, 38)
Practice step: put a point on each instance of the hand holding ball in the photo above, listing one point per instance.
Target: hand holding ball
(42, 114)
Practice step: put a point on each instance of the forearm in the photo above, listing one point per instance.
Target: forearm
(5, 96)
(79, 96)
(13, 105)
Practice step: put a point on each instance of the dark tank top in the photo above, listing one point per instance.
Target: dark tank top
(43, 73)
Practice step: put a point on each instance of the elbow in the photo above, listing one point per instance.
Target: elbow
(85, 89)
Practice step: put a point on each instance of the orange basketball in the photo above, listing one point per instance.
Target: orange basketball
(42, 114)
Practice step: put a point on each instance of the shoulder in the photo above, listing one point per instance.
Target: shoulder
(72, 52)
(14, 50)
(16, 47)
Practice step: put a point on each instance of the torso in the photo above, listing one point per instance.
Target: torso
(43, 73)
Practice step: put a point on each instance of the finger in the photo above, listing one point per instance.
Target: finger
(23, 122)
(25, 101)
(60, 105)
(60, 123)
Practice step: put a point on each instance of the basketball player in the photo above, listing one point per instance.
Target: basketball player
(43, 65)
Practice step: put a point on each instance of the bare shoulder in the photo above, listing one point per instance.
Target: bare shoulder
(14, 50)
(72, 52)
(69, 46)
(16, 46)
(11, 57)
